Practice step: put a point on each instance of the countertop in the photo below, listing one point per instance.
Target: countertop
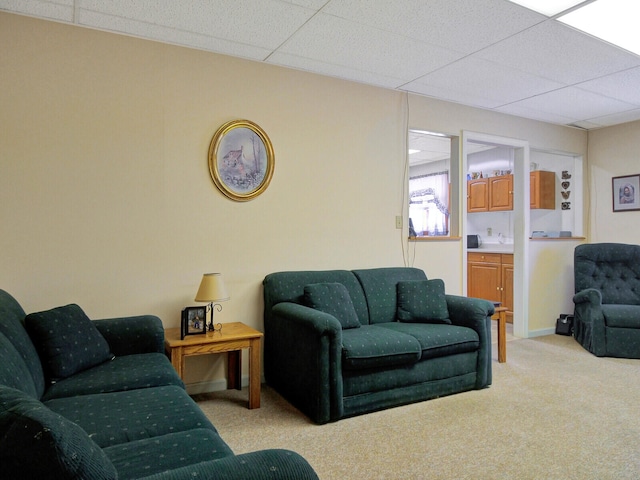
(493, 248)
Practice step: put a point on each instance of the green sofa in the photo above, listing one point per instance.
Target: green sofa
(341, 343)
(607, 299)
(82, 399)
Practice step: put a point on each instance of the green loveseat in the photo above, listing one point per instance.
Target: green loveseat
(341, 343)
(82, 399)
(607, 299)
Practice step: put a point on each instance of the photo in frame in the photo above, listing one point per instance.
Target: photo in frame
(193, 321)
(241, 160)
(626, 193)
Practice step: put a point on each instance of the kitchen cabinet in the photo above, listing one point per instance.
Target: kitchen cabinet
(493, 194)
(490, 276)
(543, 190)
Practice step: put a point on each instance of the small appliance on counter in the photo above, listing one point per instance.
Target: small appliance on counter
(473, 241)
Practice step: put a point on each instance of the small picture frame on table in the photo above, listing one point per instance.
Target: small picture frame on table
(626, 193)
(193, 321)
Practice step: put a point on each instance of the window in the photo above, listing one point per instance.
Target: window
(429, 182)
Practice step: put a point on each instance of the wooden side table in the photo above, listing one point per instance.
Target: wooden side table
(501, 316)
(232, 339)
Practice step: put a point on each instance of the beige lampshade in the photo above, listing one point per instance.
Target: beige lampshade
(212, 289)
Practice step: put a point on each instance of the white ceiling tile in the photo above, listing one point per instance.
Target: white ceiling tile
(61, 10)
(617, 118)
(335, 41)
(490, 84)
(458, 25)
(339, 71)
(575, 103)
(534, 114)
(560, 53)
(171, 35)
(266, 23)
(624, 86)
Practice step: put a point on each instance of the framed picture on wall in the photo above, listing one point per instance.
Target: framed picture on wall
(194, 321)
(241, 160)
(626, 193)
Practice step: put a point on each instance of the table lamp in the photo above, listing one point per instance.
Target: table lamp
(212, 289)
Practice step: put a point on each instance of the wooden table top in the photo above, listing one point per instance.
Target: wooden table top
(230, 331)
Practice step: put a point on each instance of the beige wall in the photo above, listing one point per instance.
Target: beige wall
(613, 152)
(106, 198)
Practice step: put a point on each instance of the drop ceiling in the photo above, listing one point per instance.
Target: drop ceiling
(490, 54)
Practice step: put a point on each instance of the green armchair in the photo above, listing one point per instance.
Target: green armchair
(607, 299)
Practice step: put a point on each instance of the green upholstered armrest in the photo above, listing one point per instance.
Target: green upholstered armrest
(271, 464)
(588, 295)
(131, 335)
(303, 358)
(475, 313)
(589, 324)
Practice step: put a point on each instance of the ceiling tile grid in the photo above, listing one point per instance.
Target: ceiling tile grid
(490, 54)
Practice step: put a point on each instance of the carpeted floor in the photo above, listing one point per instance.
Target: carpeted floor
(554, 411)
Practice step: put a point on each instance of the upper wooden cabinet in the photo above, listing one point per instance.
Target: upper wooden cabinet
(491, 194)
(478, 195)
(501, 193)
(543, 189)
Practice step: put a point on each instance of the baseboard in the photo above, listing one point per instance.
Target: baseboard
(542, 332)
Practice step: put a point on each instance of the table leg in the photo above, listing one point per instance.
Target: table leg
(254, 373)
(234, 369)
(502, 337)
(177, 360)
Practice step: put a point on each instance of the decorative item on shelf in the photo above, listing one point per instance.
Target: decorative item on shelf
(212, 289)
(193, 321)
(241, 160)
(565, 185)
(565, 194)
(566, 175)
(566, 205)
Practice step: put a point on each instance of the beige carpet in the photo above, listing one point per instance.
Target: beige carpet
(554, 411)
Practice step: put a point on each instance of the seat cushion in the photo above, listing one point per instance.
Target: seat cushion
(621, 316)
(374, 347)
(438, 340)
(422, 301)
(334, 299)
(67, 340)
(141, 458)
(122, 373)
(39, 443)
(119, 417)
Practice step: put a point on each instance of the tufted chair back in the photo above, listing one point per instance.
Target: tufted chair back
(611, 268)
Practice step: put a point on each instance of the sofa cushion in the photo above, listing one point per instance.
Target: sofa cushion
(38, 443)
(12, 326)
(119, 417)
(380, 286)
(149, 456)
(621, 316)
(438, 340)
(334, 299)
(142, 370)
(67, 341)
(374, 347)
(422, 301)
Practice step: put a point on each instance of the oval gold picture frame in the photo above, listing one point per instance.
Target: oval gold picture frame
(241, 160)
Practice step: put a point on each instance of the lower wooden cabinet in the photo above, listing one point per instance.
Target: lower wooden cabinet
(490, 276)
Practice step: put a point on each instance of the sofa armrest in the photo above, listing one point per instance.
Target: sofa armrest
(303, 359)
(475, 313)
(588, 321)
(130, 335)
(272, 464)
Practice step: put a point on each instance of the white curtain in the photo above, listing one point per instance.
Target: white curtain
(429, 204)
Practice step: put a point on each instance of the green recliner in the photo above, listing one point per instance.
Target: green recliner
(607, 299)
